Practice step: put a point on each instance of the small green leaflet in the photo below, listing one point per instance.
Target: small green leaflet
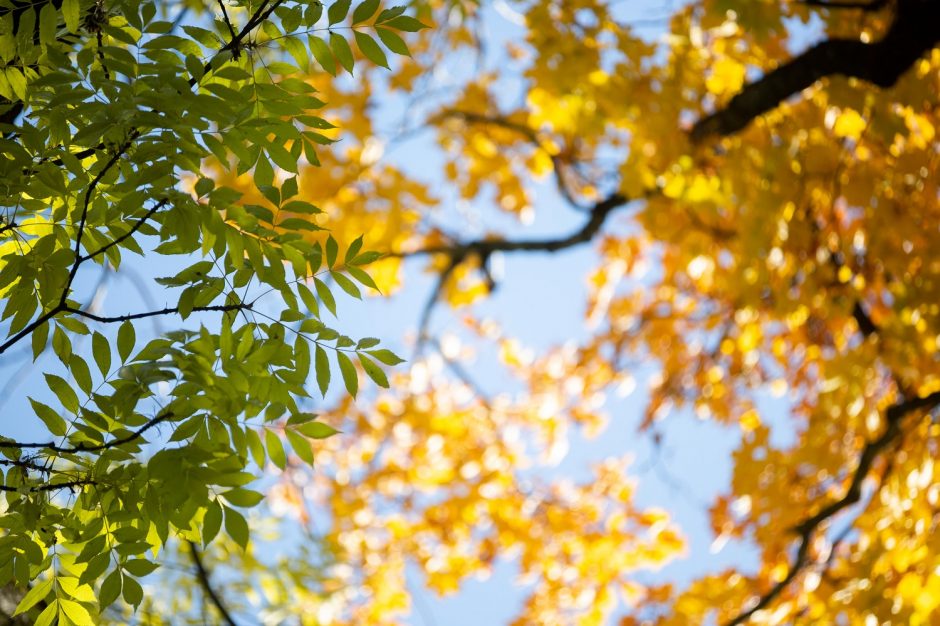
(125, 340)
(370, 49)
(275, 449)
(373, 371)
(34, 596)
(236, 527)
(132, 591)
(332, 249)
(110, 589)
(342, 51)
(322, 367)
(348, 370)
(364, 11)
(211, 522)
(337, 11)
(71, 12)
(101, 350)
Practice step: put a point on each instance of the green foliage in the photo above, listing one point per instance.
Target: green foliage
(107, 117)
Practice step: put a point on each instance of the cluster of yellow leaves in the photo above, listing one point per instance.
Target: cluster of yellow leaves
(741, 276)
(446, 480)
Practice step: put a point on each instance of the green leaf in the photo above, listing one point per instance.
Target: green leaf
(337, 11)
(110, 589)
(353, 250)
(39, 339)
(362, 276)
(405, 23)
(132, 591)
(264, 172)
(236, 247)
(34, 596)
(243, 497)
(367, 342)
(301, 446)
(322, 53)
(95, 568)
(390, 13)
(370, 49)
(195, 67)
(373, 371)
(236, 527)
(348, 370)
(204, 186)
(317, 430)
(322, 366)
(326, 297)
(78, 614)
(48, 615)
(393, 42)
(139, 567)
(385, 356)
(347, 285)
(367, 257)
(301, 358)
(275, 449)
(211, 522)
(255, 446)
(342, 51)
(364, 11)
(125, 340)
(309, 299)
(81, 373)
(289, 188)
(332, 249)
(63, 392)
(71, 12)
(18, 82)
(101, 350)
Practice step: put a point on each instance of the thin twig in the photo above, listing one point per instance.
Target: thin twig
(167, 311)
(228, 22)
(202, 574)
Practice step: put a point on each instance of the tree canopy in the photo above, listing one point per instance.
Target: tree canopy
(758, 185)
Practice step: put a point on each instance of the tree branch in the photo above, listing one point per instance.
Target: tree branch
(484, 247)
(871, 5)
(262, 13)
(81, 222)
(807, 529)
(82, 447)
(129, 233)
(70, 484)
(167, 311)
(913, 32)
(865, 324)
(228, 22)
(425, 321)
(202, 574)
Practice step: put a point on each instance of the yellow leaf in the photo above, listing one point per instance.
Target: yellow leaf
(726, 77)
(849, 124)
